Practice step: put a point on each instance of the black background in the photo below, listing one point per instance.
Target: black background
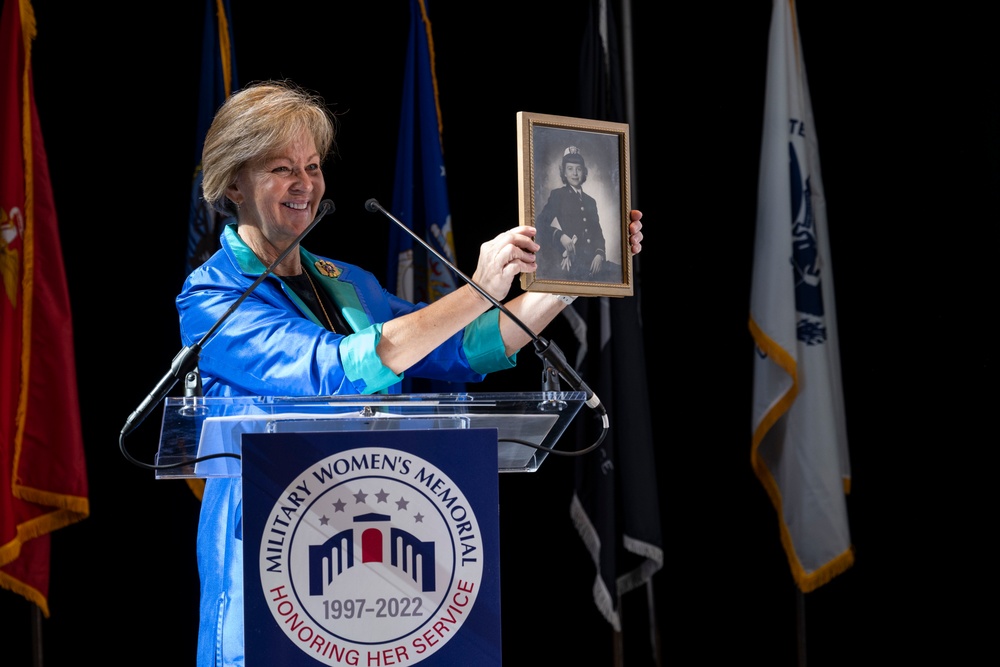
(904, 98)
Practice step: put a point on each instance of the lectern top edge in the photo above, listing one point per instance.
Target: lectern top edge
(196, 427)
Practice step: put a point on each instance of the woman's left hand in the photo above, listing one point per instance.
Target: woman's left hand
(635, 232)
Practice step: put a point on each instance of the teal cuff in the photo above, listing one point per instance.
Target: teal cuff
(361, 363)
(484, 346)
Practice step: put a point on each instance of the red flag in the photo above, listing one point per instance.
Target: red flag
(43, 482)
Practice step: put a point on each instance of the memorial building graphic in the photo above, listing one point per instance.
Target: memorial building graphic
(407, 553)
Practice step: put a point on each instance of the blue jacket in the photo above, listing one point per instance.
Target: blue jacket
(273, 345)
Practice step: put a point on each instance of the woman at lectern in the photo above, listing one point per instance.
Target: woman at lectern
(317, 326)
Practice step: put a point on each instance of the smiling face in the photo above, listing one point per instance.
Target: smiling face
(280, 194)
(573, 170)
(574, 174)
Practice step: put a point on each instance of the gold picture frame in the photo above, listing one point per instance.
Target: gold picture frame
(555, 155)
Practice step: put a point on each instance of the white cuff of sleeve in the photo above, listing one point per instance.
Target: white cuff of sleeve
(564, 298)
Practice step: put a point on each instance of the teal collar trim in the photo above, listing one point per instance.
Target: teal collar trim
(242, 253)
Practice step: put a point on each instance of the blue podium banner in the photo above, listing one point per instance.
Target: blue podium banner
(372, 548)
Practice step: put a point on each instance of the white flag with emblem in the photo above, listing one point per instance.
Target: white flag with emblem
(799, 438)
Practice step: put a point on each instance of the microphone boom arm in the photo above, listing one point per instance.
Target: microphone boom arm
(545, 349)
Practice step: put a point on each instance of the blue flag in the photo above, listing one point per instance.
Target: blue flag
(420, 194)
(218, 80)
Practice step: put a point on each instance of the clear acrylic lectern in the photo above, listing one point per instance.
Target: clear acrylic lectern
(194, 428)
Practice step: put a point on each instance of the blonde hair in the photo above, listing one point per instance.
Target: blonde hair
(254, 123)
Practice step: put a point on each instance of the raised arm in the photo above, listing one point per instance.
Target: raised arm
(407, 339)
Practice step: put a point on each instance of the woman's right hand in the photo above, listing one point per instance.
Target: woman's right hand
(502, 258)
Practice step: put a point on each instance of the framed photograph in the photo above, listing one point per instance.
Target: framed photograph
(573, 187)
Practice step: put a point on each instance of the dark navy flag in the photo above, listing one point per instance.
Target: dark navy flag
(615, 505)
(218, 80)
(420, 195)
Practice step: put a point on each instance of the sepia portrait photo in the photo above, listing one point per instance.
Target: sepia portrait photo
(573, 188)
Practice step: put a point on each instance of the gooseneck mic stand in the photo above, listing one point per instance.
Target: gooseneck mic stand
(185, 364)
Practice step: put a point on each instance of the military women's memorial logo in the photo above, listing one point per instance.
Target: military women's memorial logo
(371, 555)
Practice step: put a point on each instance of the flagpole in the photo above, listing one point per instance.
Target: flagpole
(36, 635)
(628, 76)
(629, 81)
(800, 616)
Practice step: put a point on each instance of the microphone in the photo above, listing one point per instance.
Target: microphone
(185, 364)
(547, 351)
